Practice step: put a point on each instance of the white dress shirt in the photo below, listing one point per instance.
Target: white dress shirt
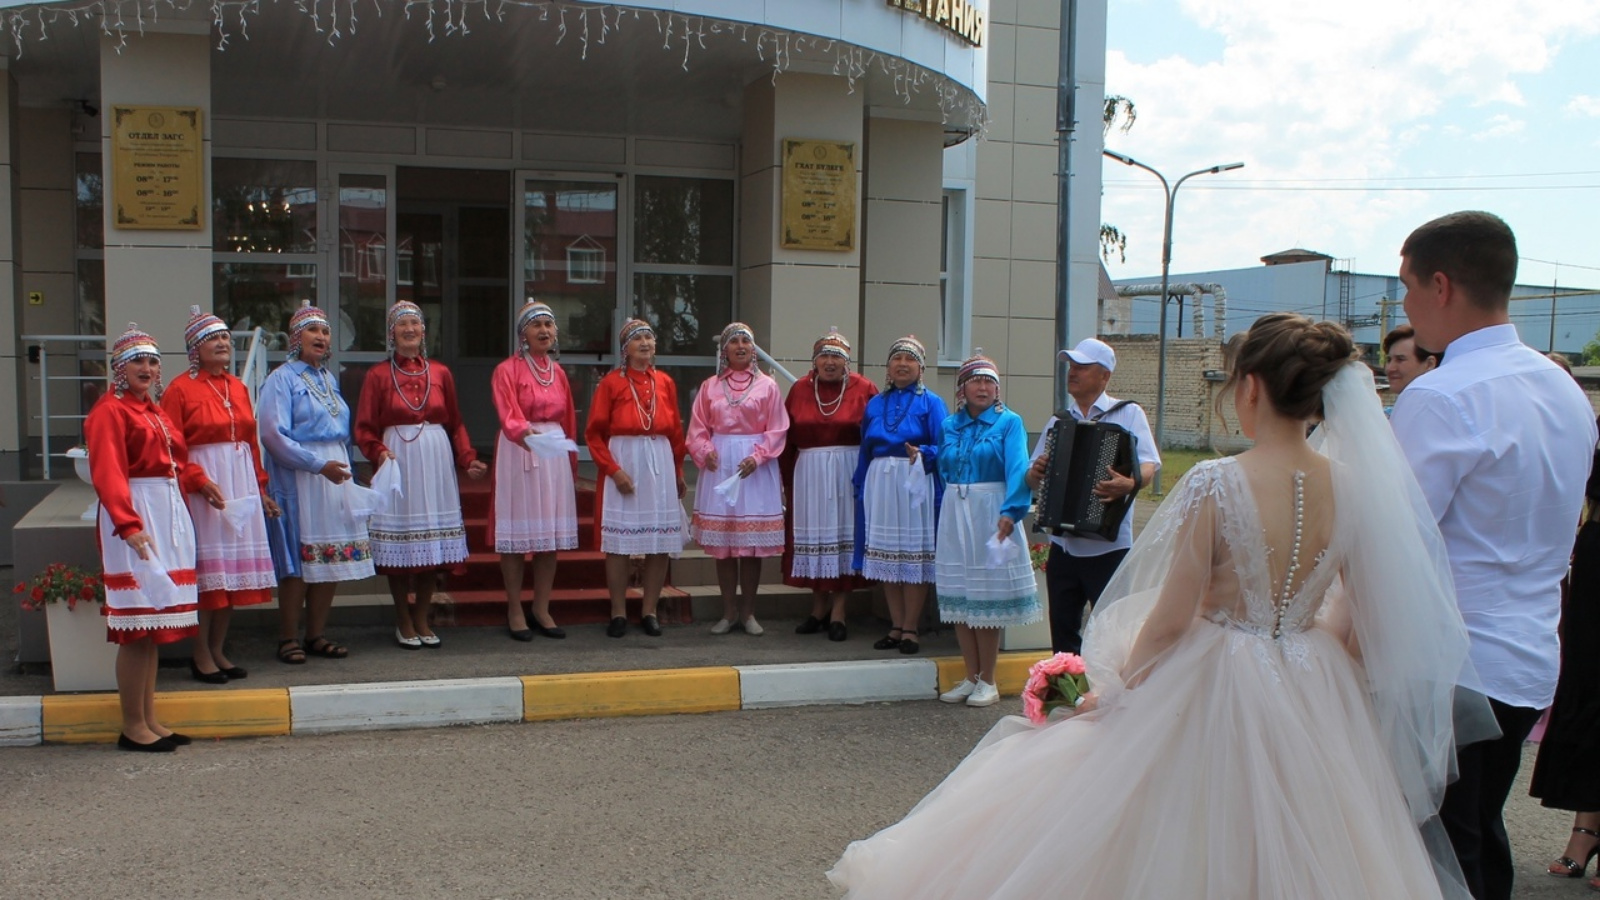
(1501, 441)
(1132, 418)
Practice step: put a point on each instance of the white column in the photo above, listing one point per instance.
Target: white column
(152, 277)
(791, 296)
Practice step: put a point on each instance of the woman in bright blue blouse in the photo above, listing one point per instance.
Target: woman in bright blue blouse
(985, 575)
(319, 541)
(898, 490)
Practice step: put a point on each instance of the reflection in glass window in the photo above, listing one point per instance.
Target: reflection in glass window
(264, 205)
(586, 264)
(581, 289)
(683, 221)
(687, 311)
(91, 296)
(247, 295)
(363, 257)
(90, 197)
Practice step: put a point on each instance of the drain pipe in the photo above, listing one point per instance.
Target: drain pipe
(1066, 122)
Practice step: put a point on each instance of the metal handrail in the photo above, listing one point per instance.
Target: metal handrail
(253, 371)
(42, 341)
(775, 365)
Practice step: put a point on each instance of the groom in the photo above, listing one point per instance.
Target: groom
(1501, 441)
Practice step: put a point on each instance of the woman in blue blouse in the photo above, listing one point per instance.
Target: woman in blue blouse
(319, 541)
(985, 576)
(897, 492)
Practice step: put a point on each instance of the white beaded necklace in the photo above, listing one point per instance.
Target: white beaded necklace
(737, 395)
(545, 378)
(327, 394)
(824, 408)
(427, 390)
(647, 419)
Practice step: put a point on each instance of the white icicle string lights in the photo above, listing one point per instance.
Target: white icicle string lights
(117, 18)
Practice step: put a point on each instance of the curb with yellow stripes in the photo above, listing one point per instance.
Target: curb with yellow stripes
(324, 709)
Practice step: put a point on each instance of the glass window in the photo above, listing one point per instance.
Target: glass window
(364, 257)
(956, 311)
(264, 205)
(90, 201)
(687, 311)
(91, 296)
(266, 294)
(562, 215)
(683, 221)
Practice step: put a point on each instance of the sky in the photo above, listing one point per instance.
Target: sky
(1356, 122)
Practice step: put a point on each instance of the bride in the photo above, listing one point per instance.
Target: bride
(1273, 669)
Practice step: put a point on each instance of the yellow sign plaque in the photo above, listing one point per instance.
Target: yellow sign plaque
(819, 195)
(157, 170)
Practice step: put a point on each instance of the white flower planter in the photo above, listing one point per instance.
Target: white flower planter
(81, 659)
(1037, 635)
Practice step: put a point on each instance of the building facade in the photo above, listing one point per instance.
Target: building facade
(669, 160)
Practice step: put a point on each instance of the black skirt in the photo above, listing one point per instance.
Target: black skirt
(1566, 774)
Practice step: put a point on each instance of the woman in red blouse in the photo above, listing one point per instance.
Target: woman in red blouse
(409, 418)
(137, 459)
(233, 564)
(636, 438)
(535, 502)
(825, 410)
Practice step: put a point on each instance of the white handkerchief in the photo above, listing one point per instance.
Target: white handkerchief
(238, 512)
(1000, 552)
(550, 444)
(729, 490)
(154, 582)
(386, 485)
(916, 483)
(361, 502)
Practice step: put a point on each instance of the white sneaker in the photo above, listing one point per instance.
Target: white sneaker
(984, 694)
(723, 626)
(751, 626)
(960, 692)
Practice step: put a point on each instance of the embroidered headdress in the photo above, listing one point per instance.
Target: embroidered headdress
(734, 329)
(132, 345)
(976, 366)
(400, 310)
(832, 344)
(910, 344)
(304, 316)
(203, 326)
(531, 312)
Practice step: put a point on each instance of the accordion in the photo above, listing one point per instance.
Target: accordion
(1078, 453)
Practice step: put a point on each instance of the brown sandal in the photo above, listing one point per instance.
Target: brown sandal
(321, 646)
(290, 652)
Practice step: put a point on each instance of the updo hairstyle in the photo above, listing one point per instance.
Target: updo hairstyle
(1295, 358)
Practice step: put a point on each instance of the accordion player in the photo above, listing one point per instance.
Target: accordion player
(1078, 453)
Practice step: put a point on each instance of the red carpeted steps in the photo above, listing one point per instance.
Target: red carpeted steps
(580, 594)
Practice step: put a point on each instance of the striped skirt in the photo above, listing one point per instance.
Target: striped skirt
(140, 604)
(651, 519)
(970, 593)
(423, 528)
(752, 525)
(899, 542)
(535, 502)
(233, 565)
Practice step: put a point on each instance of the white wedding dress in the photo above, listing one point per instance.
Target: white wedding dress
(1244, 765)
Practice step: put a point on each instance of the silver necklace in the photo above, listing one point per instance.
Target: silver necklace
(737, 395)
(427, 390)
(227, 406)
(545, 378)
(647, 419)
(326, 393)
(828, 409)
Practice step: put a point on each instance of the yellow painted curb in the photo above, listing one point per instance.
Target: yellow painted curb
(96, 718)
(649, 692)
(1010, 671)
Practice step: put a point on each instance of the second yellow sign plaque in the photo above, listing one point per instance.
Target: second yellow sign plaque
(156, 168)
(819, 195)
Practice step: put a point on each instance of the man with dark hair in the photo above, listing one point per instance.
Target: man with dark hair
(1403, 360)
(1501, 441)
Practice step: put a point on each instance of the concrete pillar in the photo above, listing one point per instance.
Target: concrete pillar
(13, 406)
(791, 296)
(152, 277)
(901, 198)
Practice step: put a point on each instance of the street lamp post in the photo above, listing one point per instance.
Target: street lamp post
(1166, 266)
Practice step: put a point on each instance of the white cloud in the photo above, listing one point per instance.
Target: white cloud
(1332, 96)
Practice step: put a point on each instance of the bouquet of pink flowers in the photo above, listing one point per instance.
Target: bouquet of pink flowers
(1052, 683)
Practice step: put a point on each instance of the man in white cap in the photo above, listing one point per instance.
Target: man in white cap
(1079, 567)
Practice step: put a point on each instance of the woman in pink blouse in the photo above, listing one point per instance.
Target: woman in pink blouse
(737, 431)
(409, 418)
(535, 504)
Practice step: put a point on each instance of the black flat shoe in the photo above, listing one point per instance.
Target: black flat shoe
(811, 625)
(651, 625)
(909, 645)
(235, 673)
(217, 677)
(525, 634)
(836, 631)
(179, 740)
(159, 745)
(554, 631)
(617, 628)
(886, 642)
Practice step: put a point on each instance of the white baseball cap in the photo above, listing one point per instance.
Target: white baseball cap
(1092, 352)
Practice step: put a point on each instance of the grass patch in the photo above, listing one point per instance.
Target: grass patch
(1175, 461)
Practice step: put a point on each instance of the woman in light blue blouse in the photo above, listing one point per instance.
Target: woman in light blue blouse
(897, 492)
(319, 540)
(985, 576)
